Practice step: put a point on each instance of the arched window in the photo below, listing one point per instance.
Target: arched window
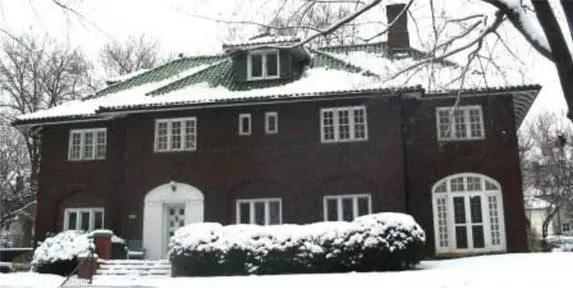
(468, 214)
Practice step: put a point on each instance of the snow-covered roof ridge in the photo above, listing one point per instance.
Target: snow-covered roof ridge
(268, 39)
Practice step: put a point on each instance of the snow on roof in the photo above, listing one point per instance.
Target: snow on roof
(124, 77)
(445, 77)
(268, 39)
(88, 107)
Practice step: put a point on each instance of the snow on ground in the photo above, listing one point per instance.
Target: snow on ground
(31, 280)
(507, 270)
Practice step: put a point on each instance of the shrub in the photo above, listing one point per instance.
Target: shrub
(385, 241)
(59, 254)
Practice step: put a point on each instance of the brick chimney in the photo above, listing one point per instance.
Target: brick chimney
(397, 34)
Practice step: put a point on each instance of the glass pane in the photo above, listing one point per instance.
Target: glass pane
(161, 136)
(475, 123)
(347, 209)
(98, 220)
(444, 124)
(363, 206)
(459, 210)
(461, 237)
(477, 231)
(189, 134)
(272, 64)
(460, 124)
(244, 213)
(457, 184)
(343, 125)
(176, 135)
(272, 123)
(441, 188)
(359, 124)
(72, 220)
(85, 221)
(76, 142)
(490, 186)
(475, 209)
(274, 212)
(260, 213)
(246, 125)
(328, 125)
(100, 145)
(474, 183)
(88, 145)
(256, 65)
(331, 210)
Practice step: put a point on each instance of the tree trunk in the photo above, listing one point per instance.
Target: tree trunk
(559, 49)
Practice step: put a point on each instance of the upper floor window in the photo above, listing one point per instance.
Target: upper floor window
(259, 211)
(343, 124)
(460, 123)
(263, 64)
(245, 124)
(85, 219)
(271, 122)
(565, 227)
(87, 144)
(346, 207)
(177, 134)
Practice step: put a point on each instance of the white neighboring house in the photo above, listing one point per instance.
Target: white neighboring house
(536, 211)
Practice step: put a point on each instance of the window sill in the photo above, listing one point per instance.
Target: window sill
(86, 160)
(249, 78)
(342, 141)
(460, 139)
(173, 151)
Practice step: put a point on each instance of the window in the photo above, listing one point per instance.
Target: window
(87, 144)
(346, 207)
(565, 227)
(263, 64)
(85, 219)
(245, 124)
(259, 211)
(343, 124)
(177, 134)
(460, 123)
(271, 122)
(468, 215)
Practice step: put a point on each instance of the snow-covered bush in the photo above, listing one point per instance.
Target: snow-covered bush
(560, 243)
(59, 254)
(385, 241)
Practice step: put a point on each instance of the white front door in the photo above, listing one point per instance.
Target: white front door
(174, 219)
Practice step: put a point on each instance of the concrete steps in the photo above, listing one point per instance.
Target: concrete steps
(134, 268)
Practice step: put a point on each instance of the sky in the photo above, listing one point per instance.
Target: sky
(188, 26)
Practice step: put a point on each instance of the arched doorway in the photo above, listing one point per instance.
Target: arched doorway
(166, 208)
(468, 214)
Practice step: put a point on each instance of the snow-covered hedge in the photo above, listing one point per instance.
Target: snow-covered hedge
(560, 243)
(384, 241)
(59, 254)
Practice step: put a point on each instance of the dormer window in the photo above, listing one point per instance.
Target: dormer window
(263, 64)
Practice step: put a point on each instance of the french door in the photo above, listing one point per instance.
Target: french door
(468, 222)
(174, 219)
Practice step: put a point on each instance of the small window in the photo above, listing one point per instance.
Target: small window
(565, 227)
(346, 207)
(460, 123)
(85, 219)
(177, 134)
(245, 124)
(343, 124)
(263, 64)
(87, 144)
(259, 211)
(271, 122)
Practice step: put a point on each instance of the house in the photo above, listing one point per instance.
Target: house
(270, 132)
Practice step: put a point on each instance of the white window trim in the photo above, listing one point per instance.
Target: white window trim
(169, 122)
(337, 139)
(264, 72)
(251, 203)
(241, 117)
(339, 198)
(465, 109)
(82, 133)
(78, 211)
(448, 195)
(268, 115)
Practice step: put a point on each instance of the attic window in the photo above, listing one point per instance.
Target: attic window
(263, 64)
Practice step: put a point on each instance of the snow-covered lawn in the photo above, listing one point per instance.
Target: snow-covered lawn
(503, 271)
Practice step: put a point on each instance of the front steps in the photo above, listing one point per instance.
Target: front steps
(133, 268)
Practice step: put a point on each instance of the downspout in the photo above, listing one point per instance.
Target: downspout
(404, 144)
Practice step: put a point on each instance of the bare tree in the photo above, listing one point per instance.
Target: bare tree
(547, 163)
(35, 73)
(133, 54)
